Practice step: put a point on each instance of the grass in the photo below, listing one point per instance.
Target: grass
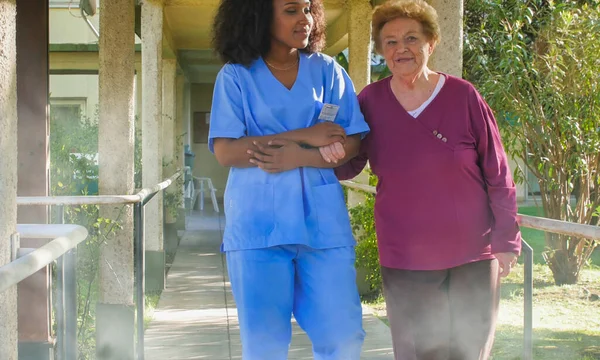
(152, 299)
(566, 319)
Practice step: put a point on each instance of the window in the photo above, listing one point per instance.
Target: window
(201, 125)
(73, 4)
(67, 111)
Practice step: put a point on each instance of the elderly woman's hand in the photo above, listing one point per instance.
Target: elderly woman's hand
(333, 153)
(505, 262)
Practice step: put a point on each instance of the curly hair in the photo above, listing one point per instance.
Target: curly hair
(242, 30)
(418, 10)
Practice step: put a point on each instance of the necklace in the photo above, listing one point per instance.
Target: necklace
(282, 69)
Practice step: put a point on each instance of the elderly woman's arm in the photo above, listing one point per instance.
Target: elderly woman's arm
(354, 166)
(505, 234)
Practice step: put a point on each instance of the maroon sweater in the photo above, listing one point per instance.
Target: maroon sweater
(445, 195)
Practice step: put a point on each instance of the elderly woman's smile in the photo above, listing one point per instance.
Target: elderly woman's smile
(405, 47)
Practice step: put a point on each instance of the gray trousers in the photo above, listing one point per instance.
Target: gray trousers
(443, 314)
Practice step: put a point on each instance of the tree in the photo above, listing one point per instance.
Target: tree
(537, 63)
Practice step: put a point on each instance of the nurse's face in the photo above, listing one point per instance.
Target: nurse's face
(292, 23)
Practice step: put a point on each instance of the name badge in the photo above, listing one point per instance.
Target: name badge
(329, 112)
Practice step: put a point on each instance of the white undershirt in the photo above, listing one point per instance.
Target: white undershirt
(438, 87)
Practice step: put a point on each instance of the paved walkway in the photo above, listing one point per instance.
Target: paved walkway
(196, 316)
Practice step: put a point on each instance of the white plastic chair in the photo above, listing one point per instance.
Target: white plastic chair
(205, 184)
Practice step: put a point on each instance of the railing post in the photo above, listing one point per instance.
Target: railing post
(59, 305)
(60, 296)
(66, 302)
(139, 260)
(70, 302)
(528, 302)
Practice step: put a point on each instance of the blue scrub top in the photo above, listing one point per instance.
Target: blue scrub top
(304, 206)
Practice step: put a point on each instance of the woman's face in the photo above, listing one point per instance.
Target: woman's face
(292, 23)
(405, 47)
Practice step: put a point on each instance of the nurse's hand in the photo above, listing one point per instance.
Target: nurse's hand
(277, 156)
(323, 134)
(333, 153)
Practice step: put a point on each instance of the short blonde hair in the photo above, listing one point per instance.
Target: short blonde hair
(418, 10)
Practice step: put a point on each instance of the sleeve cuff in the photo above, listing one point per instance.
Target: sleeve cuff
(503, 242)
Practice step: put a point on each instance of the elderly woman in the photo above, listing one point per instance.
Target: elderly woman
(445, 208)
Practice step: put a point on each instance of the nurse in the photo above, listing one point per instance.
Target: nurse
(278, 105)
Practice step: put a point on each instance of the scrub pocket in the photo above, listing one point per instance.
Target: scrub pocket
(249, 210)
(331, 209)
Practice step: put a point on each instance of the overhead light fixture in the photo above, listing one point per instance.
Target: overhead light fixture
(89, 6)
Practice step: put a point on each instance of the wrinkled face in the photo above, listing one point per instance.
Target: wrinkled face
(405, 47)
(292, 22)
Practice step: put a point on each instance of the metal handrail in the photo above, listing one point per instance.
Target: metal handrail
(66, 237)
(532, 222)
(143, 196)
(139, 200)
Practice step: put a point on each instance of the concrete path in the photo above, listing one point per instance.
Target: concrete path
(196, 317)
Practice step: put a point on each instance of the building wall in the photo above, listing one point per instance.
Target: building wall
(68, 27)
(205, 164)
(521, 188)
(75, 89)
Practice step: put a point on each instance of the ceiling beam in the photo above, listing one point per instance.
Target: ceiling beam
(169, 48)
(337, 35)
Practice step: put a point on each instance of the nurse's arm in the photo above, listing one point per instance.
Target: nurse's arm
(234, 152)
(282, 155)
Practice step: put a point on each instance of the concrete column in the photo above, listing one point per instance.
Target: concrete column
(187, 127)
(138, 99)
(359, 61)
(8, 170)
(179, 135)
(448, 56)
(359, 42)
(179, 119)
(169, 113)
(187, 113)
(115, 321)
(138, 126)
(152, 148)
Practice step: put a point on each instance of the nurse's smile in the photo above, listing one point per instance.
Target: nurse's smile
(303, 34)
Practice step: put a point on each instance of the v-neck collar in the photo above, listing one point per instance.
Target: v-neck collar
(431, 103)
(270, 74)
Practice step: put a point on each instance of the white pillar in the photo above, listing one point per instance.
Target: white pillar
(187, 113)
(359, 61)
(179, 130)
(359, 42)
(116, 172)
(152, 148)
(448, 56)
(116, 79)
(168, 134)
(138, 100)
(169, 114)
(152, 24)
(8, 170)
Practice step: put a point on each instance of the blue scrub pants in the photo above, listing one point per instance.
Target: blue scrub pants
(317, 286)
